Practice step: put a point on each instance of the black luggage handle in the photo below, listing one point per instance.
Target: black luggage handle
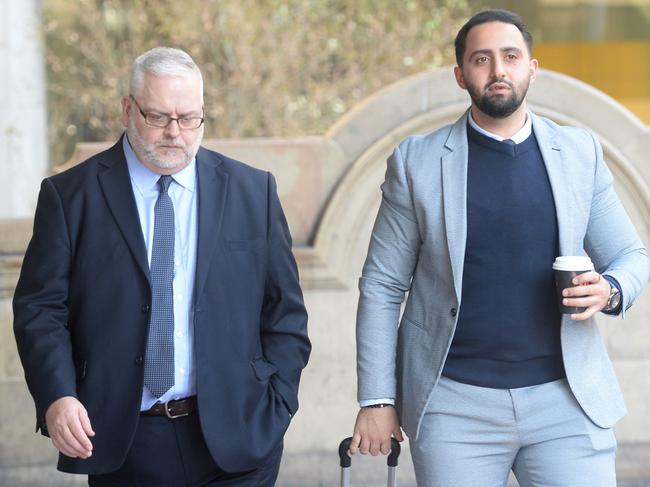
(346, 461)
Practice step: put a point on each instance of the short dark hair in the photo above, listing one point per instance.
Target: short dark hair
(484, 16)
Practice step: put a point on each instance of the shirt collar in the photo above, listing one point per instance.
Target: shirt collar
(522, 134)
(146, 180)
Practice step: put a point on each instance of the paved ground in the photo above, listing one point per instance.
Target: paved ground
(306, 471)
(321, 469)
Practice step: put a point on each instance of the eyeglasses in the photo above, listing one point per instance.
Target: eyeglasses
(160, 120)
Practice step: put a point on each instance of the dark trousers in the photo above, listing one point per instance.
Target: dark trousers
(172, 453)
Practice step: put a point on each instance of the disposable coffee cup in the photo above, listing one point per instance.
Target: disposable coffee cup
(567, 267)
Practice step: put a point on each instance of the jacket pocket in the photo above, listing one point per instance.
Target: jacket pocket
(263, 369)
(246, 245)
(409, 321)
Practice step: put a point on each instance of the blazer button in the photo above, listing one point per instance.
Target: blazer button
(454, 311)
(145, 308)
(139, 360)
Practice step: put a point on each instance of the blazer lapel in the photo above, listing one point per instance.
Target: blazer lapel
(116, 186)
(454, 190)
(559, 179)
(213, 191)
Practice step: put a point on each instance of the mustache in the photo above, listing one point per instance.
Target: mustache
(171, 142)
(505, 82)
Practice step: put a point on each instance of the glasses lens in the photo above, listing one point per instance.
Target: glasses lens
(157, 120)
(189, 123)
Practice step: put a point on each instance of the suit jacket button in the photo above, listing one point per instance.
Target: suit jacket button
(145, 308)
(454, 311)
(139, 360)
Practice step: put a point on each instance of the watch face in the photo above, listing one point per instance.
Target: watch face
(614, 301)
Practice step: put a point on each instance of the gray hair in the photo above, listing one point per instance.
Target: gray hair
(161, 61)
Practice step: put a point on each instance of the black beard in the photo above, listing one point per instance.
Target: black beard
(497, 106)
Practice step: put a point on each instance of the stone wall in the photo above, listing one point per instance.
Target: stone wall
(329, 187)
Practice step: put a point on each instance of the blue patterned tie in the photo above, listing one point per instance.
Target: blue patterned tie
(159, 358)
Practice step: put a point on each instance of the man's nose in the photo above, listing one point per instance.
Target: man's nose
(173, 129)
(498, 69)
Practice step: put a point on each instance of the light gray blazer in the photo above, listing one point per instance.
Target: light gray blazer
(418, 246)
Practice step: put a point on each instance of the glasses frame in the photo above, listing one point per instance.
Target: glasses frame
(145, 116)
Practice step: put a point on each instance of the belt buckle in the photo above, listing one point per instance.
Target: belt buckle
(173, 416)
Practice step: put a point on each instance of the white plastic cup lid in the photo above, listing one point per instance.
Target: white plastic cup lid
(573, 263)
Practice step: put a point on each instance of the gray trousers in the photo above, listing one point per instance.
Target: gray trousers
(473, 436)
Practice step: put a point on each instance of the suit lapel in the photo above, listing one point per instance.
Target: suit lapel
(116, 186)
(454, 189)
(559, 179)
(213, 189)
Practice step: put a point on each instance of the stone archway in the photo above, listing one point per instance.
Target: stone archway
(422, 103)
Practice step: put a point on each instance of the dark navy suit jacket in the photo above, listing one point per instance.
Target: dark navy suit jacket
(82, 308)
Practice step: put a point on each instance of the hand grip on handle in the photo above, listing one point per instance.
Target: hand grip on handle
(346, 461)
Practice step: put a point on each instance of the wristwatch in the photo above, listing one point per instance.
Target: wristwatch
(614, 299)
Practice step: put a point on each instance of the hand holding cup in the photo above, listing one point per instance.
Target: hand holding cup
(581, 291)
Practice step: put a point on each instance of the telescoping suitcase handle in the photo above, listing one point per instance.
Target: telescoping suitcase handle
(346, 462)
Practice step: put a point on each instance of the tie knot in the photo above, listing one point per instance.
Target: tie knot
(164, 183)
(509, 142)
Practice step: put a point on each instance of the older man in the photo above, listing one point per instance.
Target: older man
(484, 374)
(158, 314)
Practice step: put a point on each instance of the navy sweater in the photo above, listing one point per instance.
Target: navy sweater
(508, 332)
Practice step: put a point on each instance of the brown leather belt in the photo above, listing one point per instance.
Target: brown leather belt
(173, 409)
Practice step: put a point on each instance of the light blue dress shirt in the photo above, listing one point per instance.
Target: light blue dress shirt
(183, 192)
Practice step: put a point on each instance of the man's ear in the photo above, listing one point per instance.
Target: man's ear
(534, 66)
(460, 79)
(126, 106)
